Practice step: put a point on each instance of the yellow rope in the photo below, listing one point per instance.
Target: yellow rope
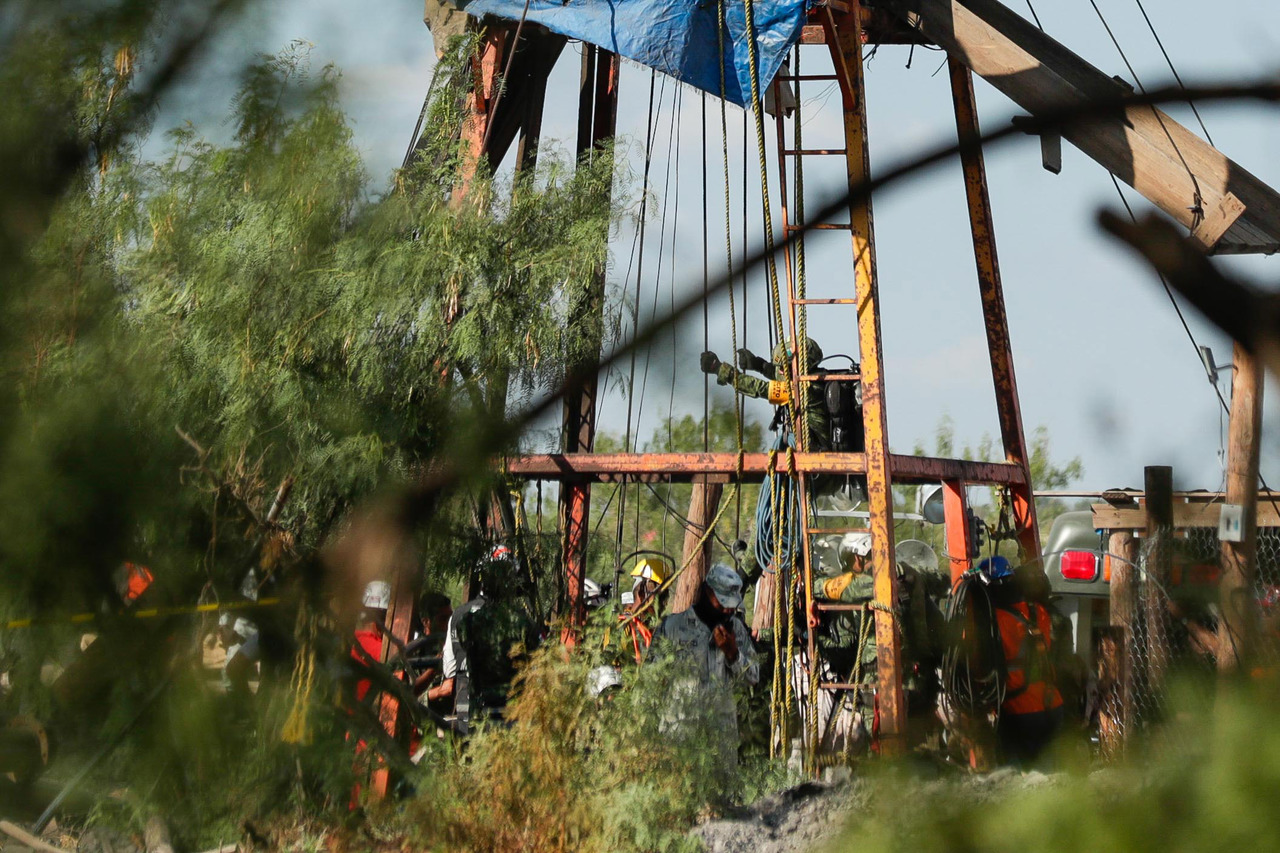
(297, 726)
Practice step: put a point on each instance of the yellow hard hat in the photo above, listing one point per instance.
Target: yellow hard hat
(651, 569)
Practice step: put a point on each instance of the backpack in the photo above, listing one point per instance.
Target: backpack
(844, 411)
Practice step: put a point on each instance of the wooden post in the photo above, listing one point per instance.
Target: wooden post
(703, 504)
(1237, 631)
(1117, 714)
(762, 614)
(1159, 548)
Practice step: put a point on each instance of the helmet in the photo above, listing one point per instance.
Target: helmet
(995, 568)
(858, 544)
(593, 594)
(501, 552)
(224, 620)
(782, 352)
(651, 569)
(377, 595)
(603, 678)
(726, 584)
(244, 627)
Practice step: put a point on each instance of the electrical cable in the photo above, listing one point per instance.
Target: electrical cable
(1169, 61)
(1198, 209)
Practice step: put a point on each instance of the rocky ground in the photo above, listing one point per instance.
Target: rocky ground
(809, 816)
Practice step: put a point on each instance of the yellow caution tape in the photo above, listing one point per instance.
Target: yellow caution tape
(146, 613)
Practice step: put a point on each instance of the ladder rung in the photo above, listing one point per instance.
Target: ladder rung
(821, 226)
(805, 77)
(840, 685)
(824, 302)
(842, 607)
(817, 152)
(832, 377)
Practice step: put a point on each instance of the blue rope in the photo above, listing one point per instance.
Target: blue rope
(788, 503)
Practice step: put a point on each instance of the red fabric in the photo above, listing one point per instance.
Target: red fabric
(369, 639)
(1016, 643)
(140, 578)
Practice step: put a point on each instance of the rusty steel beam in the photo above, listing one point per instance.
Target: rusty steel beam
(723, 467)
(845, 34)
(597, 121)
(993, 311)
(955, 509)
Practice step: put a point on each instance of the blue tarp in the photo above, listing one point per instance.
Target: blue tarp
(677, 37)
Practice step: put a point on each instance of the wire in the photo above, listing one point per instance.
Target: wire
(1035, 16)
(1169, 61)
(1197, 210)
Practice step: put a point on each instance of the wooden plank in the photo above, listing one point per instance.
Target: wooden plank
(1144, 146)
(1216, 222)
(1107, 517)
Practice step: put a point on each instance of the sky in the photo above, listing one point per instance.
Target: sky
(1102, 360)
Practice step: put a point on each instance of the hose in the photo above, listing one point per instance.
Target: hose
(973, 678)
(782, 488)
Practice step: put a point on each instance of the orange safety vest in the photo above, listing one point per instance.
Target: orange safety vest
(1025, 632)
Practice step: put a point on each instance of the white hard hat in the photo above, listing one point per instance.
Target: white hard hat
(224, 621)
(244, 627)
(601, 679)
(857, 544)
(592, 594)
(377, 595)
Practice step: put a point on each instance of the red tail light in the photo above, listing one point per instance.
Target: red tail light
(1079, 566)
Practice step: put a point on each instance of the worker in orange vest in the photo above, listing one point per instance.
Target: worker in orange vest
(1032, 711)
(643, 602)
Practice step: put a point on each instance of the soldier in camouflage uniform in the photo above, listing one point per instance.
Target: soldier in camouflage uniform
(714, 648)
(772, 389)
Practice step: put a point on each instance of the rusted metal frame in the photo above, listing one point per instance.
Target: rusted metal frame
(878, 27)
(486, 64)
(993, 308)
(722, 467)
(955, 510)
(845, 41)
(597, 121)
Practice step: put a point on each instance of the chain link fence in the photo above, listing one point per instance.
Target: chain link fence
(1168, 629)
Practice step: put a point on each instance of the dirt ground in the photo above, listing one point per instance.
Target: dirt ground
(808, 817)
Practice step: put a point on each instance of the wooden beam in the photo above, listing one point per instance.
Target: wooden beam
(1108, 517)
(1179, 172)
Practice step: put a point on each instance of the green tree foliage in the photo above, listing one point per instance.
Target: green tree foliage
(189, 334)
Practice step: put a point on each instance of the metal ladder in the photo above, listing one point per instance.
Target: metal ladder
(798, 303)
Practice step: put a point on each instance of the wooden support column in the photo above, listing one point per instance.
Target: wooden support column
(597, 119)
(993, 310)
(1237, 632)
(846, 33)
(1159, 549)
(703, 505)
(955, 511)
(1115, 675)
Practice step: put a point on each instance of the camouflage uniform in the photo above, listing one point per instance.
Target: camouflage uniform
(706, 690)
(752, 386)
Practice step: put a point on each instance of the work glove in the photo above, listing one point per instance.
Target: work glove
(710, 362)
(747, 360)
